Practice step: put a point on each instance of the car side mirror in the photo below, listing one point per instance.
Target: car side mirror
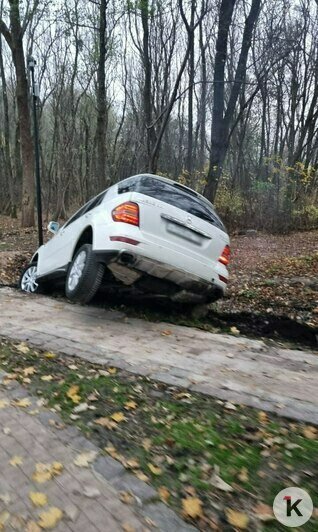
(53, 227)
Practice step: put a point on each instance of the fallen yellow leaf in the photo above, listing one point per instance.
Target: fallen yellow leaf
(118, 417)
(126, 497)
(112, 371)
(22, 348)
(23, 403)
(72, 393)
(141, 476)
(29, 371)
(133, 463)
(3, 403)
(164, 493)
(16, 460)
(127, 527)
(85, 458)
(50, 518)
(57, 468)
(146, 443)
(166, 333)
(32, 527)
(130, 405)
(264, 512)
(311, 433)
(192, 507)
(105, 422)
(263, 417)
(46, 378)
(49, 355)
(237, 519)
(4, 516)
(38, 498)
(44, 472)
(155, 469)
(243, 475)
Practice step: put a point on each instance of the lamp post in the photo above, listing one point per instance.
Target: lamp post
(35, 95)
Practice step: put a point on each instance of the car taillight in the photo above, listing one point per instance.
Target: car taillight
(127, 213)
(225, 257)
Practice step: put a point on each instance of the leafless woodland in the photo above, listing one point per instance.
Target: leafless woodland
(221, 95)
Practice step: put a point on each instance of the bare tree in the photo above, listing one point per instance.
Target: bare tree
(14, 38)
(222, 117)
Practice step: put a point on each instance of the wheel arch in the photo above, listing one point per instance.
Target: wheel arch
(35, 258)
(86, 237)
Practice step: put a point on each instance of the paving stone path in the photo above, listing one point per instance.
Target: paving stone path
(88, 497)
(231, 368)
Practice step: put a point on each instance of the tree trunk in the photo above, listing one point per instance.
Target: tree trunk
(101, 98)
(203, 97)
(147, 90)
(189, 160)
(7, 150)
(221, 118)
(14, 39)
(26, 140)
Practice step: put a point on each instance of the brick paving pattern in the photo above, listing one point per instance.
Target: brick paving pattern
(88, 497)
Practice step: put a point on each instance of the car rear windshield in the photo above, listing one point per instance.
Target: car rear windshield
(174, 194)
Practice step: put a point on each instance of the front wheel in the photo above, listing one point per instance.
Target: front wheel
(84, 276)
(28, 280)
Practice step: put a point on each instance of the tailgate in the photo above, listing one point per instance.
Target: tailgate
(169, 226)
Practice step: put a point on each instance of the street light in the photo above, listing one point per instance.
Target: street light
(35, 95)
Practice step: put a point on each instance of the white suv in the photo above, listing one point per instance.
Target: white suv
(147, 234)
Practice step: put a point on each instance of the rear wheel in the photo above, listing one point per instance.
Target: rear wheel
(84, 276)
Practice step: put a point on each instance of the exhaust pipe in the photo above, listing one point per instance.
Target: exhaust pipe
(127, 259)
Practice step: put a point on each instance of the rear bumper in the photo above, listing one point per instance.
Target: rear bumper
(189, 282)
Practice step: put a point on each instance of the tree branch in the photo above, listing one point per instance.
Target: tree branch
(4, 30)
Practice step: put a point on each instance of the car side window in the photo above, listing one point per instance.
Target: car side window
(95, 202)
(91, 204)
(75, 216)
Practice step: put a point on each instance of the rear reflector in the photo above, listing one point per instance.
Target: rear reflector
(124, 239)
(225, 257)
(127, 213)
(223, 279)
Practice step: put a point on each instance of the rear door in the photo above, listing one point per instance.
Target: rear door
(178, 219)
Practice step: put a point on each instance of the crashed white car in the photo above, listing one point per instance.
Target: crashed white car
(146, 234)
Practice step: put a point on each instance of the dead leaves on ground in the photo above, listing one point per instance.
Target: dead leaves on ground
(311, 433)
(44, 472)
(50, 518)
(106, 423)
(16, 461)
(85, 459)
(118, 417)
(192, 507)
(72, 393)
(164, 493)
(155, 470)
(22, 403)
(237, 519)
(38, 498)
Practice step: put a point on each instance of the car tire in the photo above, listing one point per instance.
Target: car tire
(28, 283)
(84, 275)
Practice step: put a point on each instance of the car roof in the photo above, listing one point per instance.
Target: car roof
(171, 182)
